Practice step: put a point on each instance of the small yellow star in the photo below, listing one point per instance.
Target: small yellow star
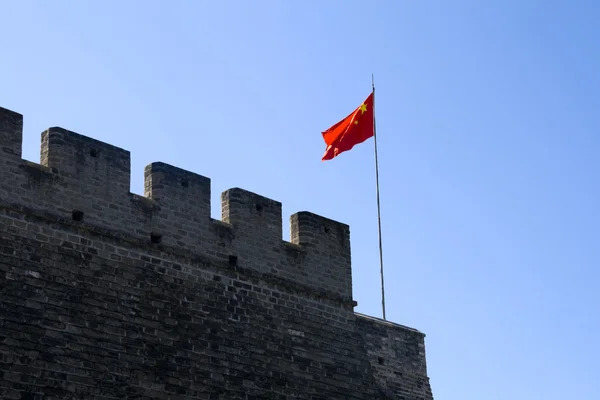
(363, 108)
(355, 122)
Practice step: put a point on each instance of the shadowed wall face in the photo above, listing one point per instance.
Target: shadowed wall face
(108, 294)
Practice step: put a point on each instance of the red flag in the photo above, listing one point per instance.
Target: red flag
(352, 130)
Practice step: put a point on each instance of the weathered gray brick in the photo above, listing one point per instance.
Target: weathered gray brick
(105, 294)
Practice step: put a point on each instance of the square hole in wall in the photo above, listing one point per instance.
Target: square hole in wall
(155, 237)
(27, 396)
(77, 215)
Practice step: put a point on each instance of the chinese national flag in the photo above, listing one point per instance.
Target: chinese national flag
(352, 130)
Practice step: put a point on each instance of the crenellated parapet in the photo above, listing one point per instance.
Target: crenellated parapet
(89, 181)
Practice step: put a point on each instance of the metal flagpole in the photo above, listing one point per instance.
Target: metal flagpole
(378, 203)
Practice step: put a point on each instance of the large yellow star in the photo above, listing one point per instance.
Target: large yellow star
(363, 108)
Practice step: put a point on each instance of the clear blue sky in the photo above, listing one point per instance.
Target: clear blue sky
(488, 118)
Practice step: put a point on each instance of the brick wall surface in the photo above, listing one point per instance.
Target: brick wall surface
(105, 294)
